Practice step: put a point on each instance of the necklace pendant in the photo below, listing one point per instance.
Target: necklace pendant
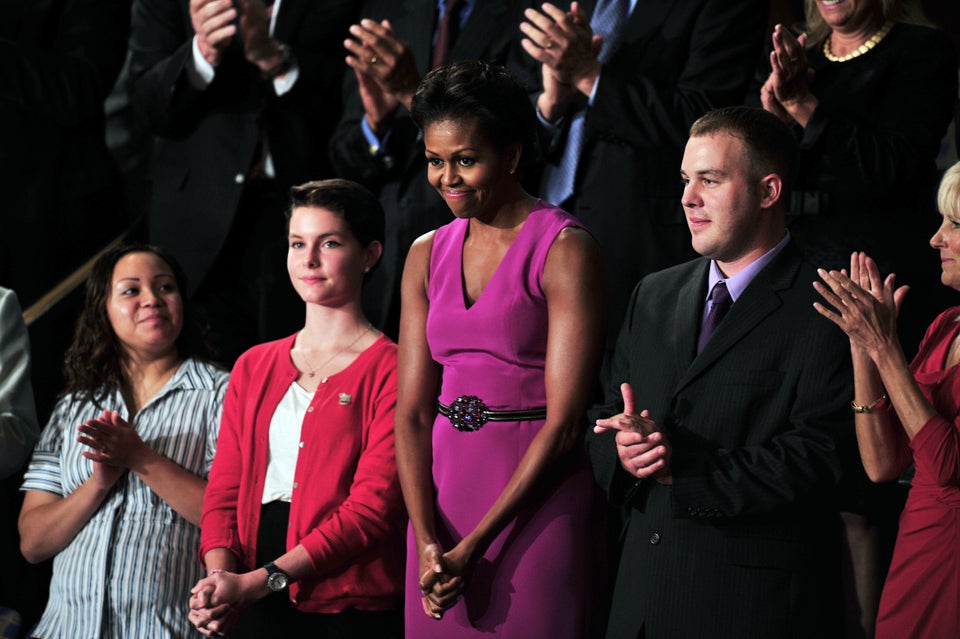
(311, 374)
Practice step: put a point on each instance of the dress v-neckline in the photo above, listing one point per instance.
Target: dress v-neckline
(467, 305)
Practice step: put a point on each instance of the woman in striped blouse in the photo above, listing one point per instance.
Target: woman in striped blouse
(115, 488)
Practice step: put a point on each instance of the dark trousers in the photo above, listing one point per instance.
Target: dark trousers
(274, 616)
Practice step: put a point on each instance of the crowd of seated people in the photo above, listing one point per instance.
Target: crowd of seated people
(454, 352)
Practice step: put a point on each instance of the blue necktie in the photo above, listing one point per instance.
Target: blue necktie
(609, 17)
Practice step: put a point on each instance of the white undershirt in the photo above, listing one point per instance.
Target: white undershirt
(285, 443)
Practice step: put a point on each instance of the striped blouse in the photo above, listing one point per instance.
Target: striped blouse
(128, 573)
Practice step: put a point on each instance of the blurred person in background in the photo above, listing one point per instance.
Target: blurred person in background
(241, 98)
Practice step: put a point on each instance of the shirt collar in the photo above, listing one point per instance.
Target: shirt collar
(737, 284)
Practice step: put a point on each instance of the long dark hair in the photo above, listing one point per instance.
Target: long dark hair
(93, 365)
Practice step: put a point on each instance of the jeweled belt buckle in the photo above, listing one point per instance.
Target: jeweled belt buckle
(467, 413)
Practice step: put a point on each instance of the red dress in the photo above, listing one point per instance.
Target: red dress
(921, 597)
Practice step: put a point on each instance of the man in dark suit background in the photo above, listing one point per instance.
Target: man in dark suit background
(61, 204)
(723, 450)
(377, 144)
(61, 201)
(242, 99)
(659, 66)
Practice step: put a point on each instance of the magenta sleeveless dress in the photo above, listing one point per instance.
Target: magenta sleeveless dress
(533, 581)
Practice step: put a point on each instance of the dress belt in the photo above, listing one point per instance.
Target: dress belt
(468, 413)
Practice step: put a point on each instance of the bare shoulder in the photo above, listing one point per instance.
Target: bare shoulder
(573, 249)
(574, 264)
(418, 257)
(421, 248)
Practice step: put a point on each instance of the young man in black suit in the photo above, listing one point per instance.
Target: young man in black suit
(718, 435)
(660, 68)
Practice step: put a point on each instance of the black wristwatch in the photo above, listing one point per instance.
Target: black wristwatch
(277, 580)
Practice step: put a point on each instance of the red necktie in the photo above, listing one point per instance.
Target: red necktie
(447, 32)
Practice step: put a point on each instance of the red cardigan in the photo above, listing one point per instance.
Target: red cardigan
(346, 509)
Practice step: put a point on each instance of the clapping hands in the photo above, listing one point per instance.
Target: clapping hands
(385, 70)
(644, 450)
(864, 305)
(786, 93)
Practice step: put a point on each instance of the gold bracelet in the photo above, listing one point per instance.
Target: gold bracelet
(860, 409)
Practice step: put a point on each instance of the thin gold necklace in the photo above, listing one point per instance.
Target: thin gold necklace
(313, 371)
(859, 51)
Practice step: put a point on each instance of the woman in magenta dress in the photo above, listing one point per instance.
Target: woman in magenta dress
(499, 340)
(910, 413)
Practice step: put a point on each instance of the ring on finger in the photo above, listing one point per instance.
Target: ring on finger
(373, 59)
(548, 45)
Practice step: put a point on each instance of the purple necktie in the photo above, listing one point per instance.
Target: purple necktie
(721, 304)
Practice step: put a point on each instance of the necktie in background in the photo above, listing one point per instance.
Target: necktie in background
(447, 31)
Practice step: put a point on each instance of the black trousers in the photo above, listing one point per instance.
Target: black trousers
(275, 616)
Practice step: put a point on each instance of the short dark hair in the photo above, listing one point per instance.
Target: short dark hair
(358, 207)
(770, 144)
(484, 92)
(93, 364)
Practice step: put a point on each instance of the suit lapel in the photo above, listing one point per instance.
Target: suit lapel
(760, 299)
(481, 28)
(647, 19)
(689, 311)
(289, 17)
(416, 24)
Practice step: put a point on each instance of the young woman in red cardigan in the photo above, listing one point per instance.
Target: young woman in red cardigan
(303, 518)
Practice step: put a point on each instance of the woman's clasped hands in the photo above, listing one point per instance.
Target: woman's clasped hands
(216, 602)
(443, 578)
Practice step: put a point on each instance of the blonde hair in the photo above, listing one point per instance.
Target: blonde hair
(818, 30)
(948, 195)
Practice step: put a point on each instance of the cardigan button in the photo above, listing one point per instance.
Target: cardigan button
(296, 484)
(310, 409)
(301, 444)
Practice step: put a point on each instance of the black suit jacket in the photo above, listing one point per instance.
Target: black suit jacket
(398, 174)
(744, 543)
(58, 61)
(675, 62)
(206, 139)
